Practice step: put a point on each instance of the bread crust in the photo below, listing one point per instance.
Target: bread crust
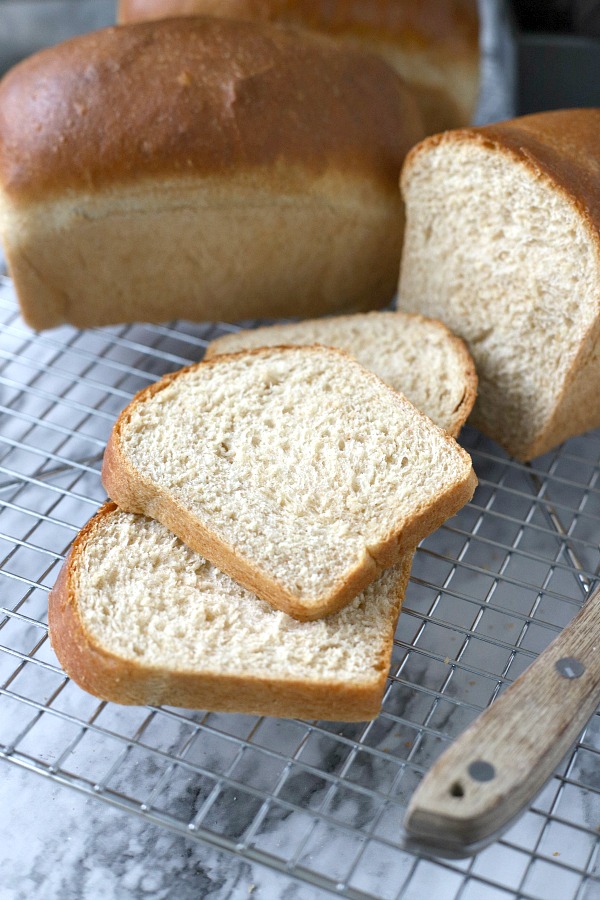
(203, 169)
(451, 23)
(222, 249)
(434, 45)
(134, 493)
(113, 678)
(197, 97)
(463, 407)
(561, 148)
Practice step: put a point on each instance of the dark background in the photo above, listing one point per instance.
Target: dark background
(580, 17)
(557, 54)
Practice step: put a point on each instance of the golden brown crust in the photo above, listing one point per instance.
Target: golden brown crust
(452, 23)
(207, 170)
(133, 493)
(560, 147)
(212, 249)
(197, 97)
(433, 44)
(113, 678)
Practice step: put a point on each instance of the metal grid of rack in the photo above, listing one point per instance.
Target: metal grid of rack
(320, 801)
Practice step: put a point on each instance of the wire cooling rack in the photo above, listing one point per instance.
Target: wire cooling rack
(320, 801)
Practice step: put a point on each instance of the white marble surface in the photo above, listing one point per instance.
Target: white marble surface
(57, 844)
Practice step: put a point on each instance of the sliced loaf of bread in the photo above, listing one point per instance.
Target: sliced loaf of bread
(502, 244)
(417, 356)
(137, 617)
(294, 470)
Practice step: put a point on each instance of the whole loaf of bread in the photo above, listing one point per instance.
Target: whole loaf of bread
(432, 44)
(204, 169)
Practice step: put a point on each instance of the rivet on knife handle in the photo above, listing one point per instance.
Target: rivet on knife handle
(496, 767)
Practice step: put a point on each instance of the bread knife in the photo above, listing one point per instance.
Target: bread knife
(497, 766)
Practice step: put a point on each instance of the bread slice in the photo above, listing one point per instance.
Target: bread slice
(502, 244)
(417, 356)
(138, 617)
(294, 470)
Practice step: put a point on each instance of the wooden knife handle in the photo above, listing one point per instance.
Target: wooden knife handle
(492, 771)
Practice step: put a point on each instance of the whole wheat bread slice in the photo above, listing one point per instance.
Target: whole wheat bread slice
(417, 356)
(137, 617)
(294, 470)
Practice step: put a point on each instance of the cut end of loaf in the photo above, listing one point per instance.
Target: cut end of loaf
(501, 252)
(138, 617)
(292, 469)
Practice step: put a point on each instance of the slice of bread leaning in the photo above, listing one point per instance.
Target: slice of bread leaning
(502, 244)
(293, 469)
(417, 356)
(136, 617)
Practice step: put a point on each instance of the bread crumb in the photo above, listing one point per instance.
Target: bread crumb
(184, 78)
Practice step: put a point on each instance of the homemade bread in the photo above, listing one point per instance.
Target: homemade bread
(204, 169)
(137, 617)
(294, 470)
(502, 245)
(419, 357)
(433, 44)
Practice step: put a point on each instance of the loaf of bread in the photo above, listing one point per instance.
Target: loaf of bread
(201, 168)
(419, 357)
(294, 470)
(136, 617)
(502, 245)
(433, 44)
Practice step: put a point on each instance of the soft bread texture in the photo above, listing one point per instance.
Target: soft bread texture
(294, 470)
(502, 245)
(419, 357)
(201, 168)
(432, 44)
(137, 617)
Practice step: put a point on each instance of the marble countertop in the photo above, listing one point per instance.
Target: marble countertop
(57, 844)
